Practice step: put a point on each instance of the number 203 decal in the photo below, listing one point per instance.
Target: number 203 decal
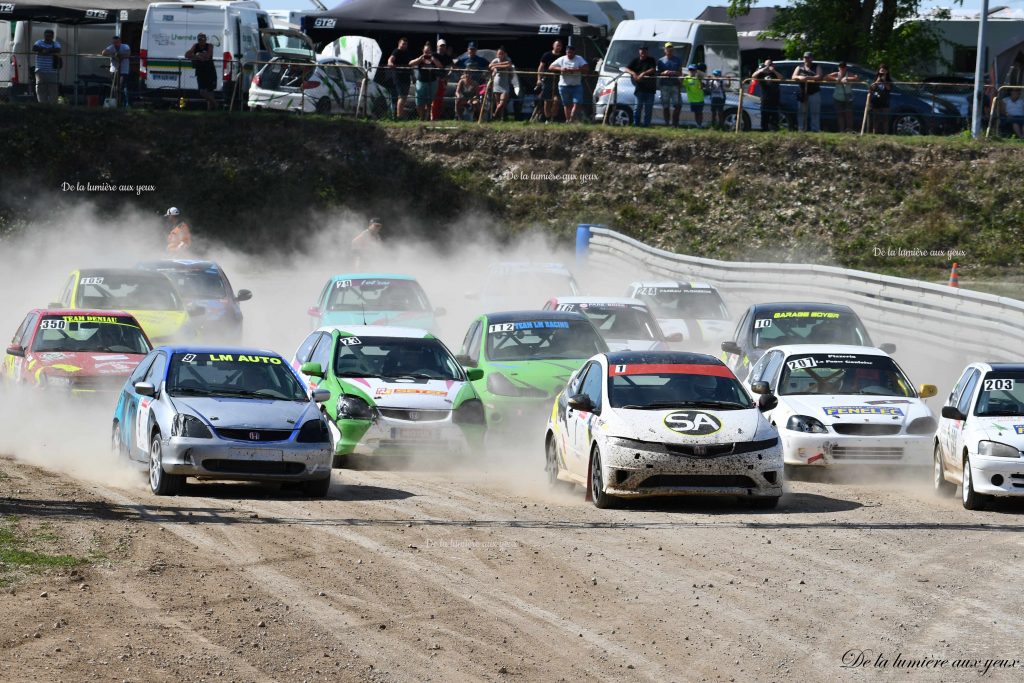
(997, 385)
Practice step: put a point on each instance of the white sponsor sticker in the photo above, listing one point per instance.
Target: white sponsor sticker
(463, 6)
(762, 322)
(997, 385)
(566, 308)
(349, 341)
(501, 327)
(188, 358)
(141, 424)
(324, 23)
(343, 283)
(53, 325)
(91, 281)
(801, 363)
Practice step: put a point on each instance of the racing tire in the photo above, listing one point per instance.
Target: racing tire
(340, 462)
(972, 500)
(317, 488)
(116, 445)
(161, 483)
(551, 464)
(763, 502)
(323, 105)
(601, 499)
(942, 488)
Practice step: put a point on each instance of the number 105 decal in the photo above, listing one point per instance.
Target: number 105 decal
(467, 6)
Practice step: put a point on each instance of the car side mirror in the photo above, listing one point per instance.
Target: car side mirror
(760, 388)
(145, 389)
(438, 312)
(674, 337)
(243, 295)
(195, 310)
(952, 413)
(16, 350)
(581, 402)
(312, 369)
(314, 311)
(766, 402)
(474, 374)
(888, 347)
(927, 390)
(731, 347)
(321, 395)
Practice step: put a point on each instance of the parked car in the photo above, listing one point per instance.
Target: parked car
(912, 111)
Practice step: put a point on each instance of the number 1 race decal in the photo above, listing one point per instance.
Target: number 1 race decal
(693, 423)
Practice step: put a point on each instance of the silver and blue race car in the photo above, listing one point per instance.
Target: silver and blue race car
(222, 413)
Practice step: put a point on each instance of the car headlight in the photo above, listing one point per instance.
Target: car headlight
(58, 381)
(470, 413)
(353, 408)
(314, 431)
(922, 425)
(994, 449)
(501, 385)
(807, 424)
(189, 426)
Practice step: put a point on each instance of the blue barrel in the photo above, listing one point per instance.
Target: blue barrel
(582, 242)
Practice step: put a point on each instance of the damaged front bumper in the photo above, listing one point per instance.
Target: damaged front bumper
(824, 450)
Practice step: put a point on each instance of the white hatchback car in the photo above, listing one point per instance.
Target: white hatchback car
(626, 324)
(844, 405)
(980, 439)
(637, 423)
(693, 309)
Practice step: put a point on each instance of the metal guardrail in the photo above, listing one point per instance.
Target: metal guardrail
(983, 325)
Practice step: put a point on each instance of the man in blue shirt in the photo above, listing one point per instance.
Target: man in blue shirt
(47, 68)
(120, 67)
(477, 68)
(670, 68)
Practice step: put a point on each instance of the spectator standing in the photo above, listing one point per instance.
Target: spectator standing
(442, 55)
(120, 67)
(642, 72)
(670, 69)
(1013, 111)
(48, 65)
(401, 76)
(201, 54)
(809, 75)
(427, 68)
(570, 68)
(694, 84)
(769, 78)
(179, 239)
(367, 242)
(842, 96)
(501, 75)
(880, 91)
(716, 90)
(548, 81)
(477, 68)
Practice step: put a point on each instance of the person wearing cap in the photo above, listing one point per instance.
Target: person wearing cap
(842, 96)
(179, 239)
(693, 82)
(809, 76)
(670, 68)
(367, 242)
(120, 67)
(442, 55)
(769, 78)
(716, 86)
(548, 80)
(201, 54)
(47, 68)
(401, 75)
(642, 72)
(570, 68)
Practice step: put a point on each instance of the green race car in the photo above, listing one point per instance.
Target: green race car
(394, 390)
(526, 358)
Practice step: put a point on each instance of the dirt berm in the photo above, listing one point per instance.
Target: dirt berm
(818, 198)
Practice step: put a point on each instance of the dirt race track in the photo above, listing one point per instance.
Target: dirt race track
(413, 575)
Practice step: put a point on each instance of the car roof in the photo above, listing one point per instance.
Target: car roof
(672, 284)
(597, 300)
(378, 331)
(109, 272)
(521, 316)
(83, 311)
(661, 358)
(371, 276)
(233, 350)
(799, 306)
(1005, 367)
(803, 349)
(178, 264)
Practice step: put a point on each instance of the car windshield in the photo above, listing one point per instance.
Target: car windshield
(393, 357)
(621, 322)
(543, 340)
(377, 294)
(622, 52)
(127, 291)
(233, 374)
(89, 333)
(1002, 394)
(775, 328)
(198, 284)
(849, 374)
(666, 386)
(700, 303)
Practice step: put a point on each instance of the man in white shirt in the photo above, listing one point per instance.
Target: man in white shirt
(570, 68)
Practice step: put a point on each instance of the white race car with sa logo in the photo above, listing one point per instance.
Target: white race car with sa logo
(844, 405)
(647, 423)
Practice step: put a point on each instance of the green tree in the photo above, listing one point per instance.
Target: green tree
(868, 32)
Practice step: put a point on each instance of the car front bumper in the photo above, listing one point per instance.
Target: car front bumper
(633, 472)
(1009, 472)
(389, 436)
(838, 450)
(267, 461)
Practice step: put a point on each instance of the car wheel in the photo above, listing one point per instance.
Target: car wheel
(907, 124)
(317, 488)
(941, 486)
(551, 462)
(161, 483)
(621, 116)
(323, 105)
(116, 445)
(730, 120)
(972, 499)
(601, 499)
(763, 502)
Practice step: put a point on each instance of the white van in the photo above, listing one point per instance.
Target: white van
(170, 29)
(710, 44)
(80, 47)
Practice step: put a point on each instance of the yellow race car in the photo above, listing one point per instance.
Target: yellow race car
(149, 296)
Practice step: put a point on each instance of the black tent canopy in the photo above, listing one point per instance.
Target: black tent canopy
(74, 11)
